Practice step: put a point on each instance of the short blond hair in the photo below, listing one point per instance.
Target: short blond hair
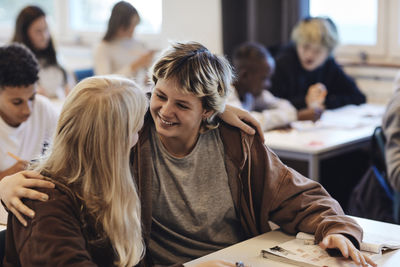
(316, 30)
(197, 71)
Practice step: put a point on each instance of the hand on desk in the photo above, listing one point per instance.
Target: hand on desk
(309, 114)
(316, 95)
(347, 249)
(17, 186)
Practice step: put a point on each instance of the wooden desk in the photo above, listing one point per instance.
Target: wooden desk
(249, 251)
(339, 131)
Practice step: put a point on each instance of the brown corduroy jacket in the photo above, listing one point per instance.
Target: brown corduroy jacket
(263, 189)
(59, 235)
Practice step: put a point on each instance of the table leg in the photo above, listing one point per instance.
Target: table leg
(313, 167)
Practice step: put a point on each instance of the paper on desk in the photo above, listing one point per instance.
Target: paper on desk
(300, 253)
(374, 243)
(347, 117)
(3, 215)
(377, 243)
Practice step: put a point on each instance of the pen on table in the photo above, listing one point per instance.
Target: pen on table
(14, 156)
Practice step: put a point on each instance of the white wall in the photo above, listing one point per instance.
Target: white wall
(193, 20)
(183, 20)
(377, 83)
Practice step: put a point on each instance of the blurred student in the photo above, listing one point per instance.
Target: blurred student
(307, 74)
(32, 30)
(254, 67)
(92, 217)
(205, 186)
(119, 52)
(27, 120)
(391, 129)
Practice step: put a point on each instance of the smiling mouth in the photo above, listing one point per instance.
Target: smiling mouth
(166, 122)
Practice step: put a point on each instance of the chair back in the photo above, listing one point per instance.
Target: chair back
(83, 73)
(378, 149)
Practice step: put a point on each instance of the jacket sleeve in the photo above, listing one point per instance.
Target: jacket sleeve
(295, 202)
(342, 90)
(391, 128)
(53, 237)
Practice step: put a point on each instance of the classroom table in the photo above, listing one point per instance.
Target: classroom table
(249, 251)
(338, 131)
(3, 218)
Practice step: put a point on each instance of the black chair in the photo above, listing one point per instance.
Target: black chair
(373, 197)
(379, 161)
(378, 149)
(2, 246)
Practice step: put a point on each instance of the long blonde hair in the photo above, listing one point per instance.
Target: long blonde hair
(90, 153)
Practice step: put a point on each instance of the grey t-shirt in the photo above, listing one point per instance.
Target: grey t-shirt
(193, 211)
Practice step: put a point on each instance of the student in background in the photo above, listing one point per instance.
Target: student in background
(307, 74)
(254, 67)
(391, 129)
(186, 211)
(31, 29)
(119, 52)
(27, 120)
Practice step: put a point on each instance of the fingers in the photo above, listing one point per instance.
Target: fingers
(32, 194)
(336, 241)
(19, 217)
(347, 249)
(38, 183)
(253, 121)
(19, 207)
(32, 174)
(246, 128)
(355, 256)
(369, 261)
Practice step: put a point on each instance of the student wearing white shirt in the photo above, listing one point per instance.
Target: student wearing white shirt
(32, 30)
(119, 52)
(27, 120)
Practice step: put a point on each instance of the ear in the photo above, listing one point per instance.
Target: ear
(207, 114)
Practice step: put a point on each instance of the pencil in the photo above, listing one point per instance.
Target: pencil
(14, 156)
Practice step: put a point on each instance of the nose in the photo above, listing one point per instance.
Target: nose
(167, 109)
(309, 54)
(26, 108)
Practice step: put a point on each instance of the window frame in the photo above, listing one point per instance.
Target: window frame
(63, 33)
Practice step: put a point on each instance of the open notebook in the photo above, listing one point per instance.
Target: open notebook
(302, 251)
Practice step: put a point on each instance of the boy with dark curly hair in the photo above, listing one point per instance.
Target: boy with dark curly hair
(27, 120)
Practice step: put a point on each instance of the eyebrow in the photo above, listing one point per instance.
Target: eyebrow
(158, 90)
(20, 98)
